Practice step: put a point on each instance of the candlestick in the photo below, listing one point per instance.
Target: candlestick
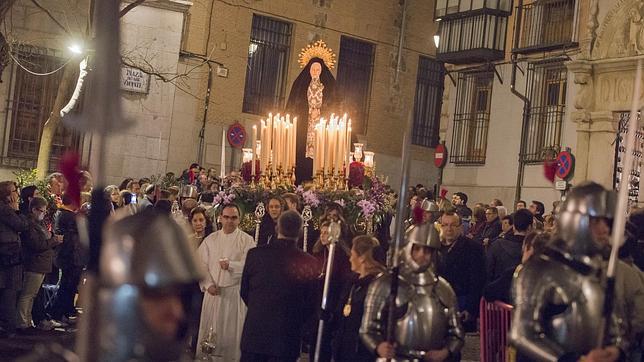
(253, 150)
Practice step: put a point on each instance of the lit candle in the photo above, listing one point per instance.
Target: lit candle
(262, 155)
(294, 145)
(276, 121)
(253, 149)
(348, 146)
(269, 140)
(223, 152)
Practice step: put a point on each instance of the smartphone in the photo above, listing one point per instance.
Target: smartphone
(133, 199)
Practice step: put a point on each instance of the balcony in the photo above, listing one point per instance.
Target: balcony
(474, 38)
(547, 25)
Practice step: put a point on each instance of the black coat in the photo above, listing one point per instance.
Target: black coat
(491, 230)
(70, 252)
(277, 285)
(11, 224)
(266, 230)
(37, 248)
(463, 266)
(503, 254)
(347, 345)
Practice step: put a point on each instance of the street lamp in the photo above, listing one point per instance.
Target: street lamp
(75, 48)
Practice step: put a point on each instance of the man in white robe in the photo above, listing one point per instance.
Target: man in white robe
(223, 255)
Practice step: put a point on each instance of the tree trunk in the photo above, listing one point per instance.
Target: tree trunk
(5, 6)
(67, 82)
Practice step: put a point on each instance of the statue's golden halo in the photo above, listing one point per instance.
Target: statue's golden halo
(317, 50)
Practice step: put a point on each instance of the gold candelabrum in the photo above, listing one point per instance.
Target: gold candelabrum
(273, 180)
(332, 181)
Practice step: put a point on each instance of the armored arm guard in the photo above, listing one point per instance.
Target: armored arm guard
(372, 329)
(532, 291)
(455, 333)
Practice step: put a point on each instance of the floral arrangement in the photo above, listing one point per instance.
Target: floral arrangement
(370, 203)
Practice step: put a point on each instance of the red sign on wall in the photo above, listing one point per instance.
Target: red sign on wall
(440, 156)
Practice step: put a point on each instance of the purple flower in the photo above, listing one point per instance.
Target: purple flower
(340, 202)
(368, 208)
(299, 189)
(310, 198)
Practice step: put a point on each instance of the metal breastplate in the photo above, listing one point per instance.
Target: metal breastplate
(424, 324)
(574, 314)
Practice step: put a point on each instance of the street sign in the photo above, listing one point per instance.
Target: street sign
(561, 185)
(236, 135)
(565, 165)
(440, 156)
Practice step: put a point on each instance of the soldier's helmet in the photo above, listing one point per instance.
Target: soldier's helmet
(146, 265)
(587, 201)
(426, 235)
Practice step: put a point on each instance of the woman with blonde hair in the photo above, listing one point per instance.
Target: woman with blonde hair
(346, 342)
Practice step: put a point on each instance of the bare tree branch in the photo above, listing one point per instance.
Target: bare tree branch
(51, 16)
(130, 7)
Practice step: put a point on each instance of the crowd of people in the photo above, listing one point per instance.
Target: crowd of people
(261, 296)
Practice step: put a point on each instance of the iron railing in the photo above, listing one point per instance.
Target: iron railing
(474, 38)
(29, 106)
(268, 54)
(620, 153)
(547, 93)
(355, 69)
(428, 102)
(472, 117)
(547, 25)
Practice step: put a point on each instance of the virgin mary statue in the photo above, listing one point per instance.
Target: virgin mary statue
(312, 96)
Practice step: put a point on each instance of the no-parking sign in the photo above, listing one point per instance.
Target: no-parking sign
(565, 165)
(236, 135)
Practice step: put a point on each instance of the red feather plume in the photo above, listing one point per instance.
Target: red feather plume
(69, 167)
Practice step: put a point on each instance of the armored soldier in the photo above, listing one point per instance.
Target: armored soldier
(427, 326)
(559, 295)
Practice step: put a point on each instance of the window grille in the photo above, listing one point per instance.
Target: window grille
(472, 117)
(31, 103)
(428, 102)
(547, 25)
(268, 55)
(620, 153)
(547, 93)
(355, 67)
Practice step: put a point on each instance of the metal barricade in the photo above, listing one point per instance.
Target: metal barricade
(495, 324)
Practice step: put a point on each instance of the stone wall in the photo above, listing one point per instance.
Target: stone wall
(376, 22)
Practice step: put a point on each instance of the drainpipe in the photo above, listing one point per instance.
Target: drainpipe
(526, 105)
(403, 25)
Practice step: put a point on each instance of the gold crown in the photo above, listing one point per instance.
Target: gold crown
(317, 50)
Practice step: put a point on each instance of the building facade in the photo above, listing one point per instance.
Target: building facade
(219, 62)
(529, 79)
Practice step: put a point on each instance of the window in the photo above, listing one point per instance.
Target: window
(443, 8)
(268, 53)
(547, 25)
(472, 117)
(428, 102)
(547, 94)
(32, 101)
(620, 151)
(355, 67)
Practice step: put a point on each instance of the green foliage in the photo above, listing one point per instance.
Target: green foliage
(26, 177)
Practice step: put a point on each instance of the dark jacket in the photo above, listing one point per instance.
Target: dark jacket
(266, 230)
(11, 224)
(463, 266)
(347, 345)
(277, 285)
(500, 288)
(503, 254)
(70, 252)
(491, 230)
(37, 248)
